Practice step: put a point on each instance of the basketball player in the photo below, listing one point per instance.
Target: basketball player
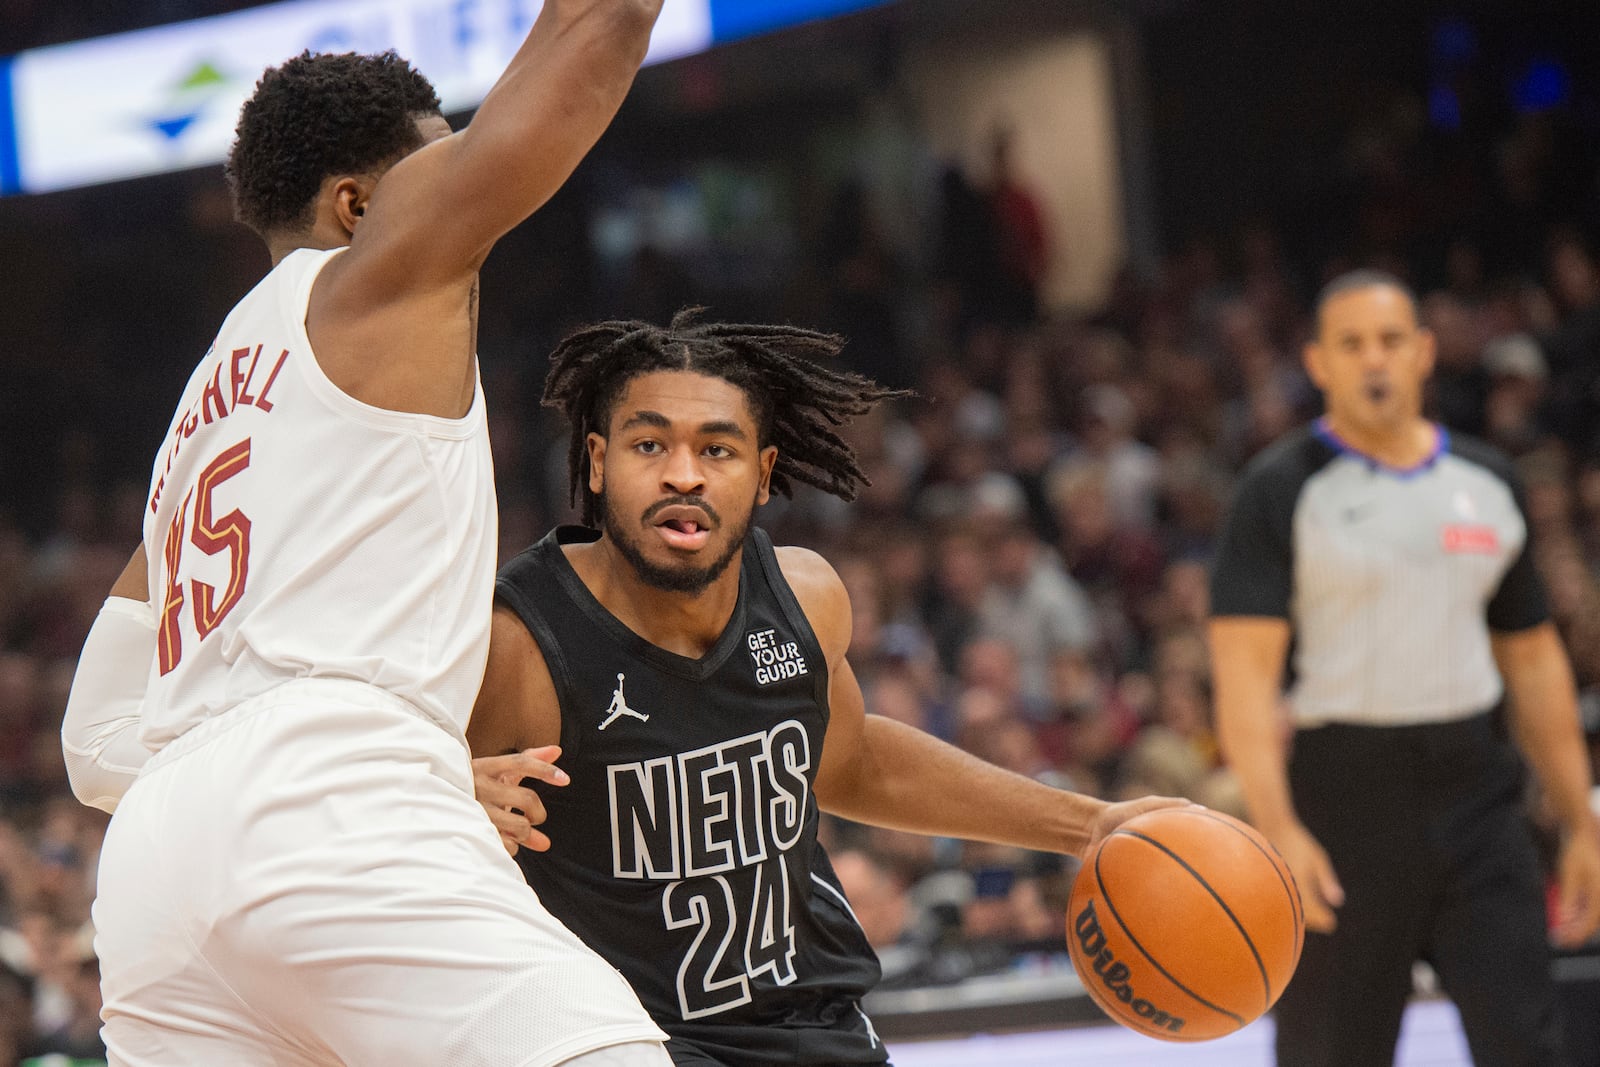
(695, 680)
(1394, 556)
(300, 873)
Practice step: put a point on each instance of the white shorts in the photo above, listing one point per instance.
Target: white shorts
(308, 879)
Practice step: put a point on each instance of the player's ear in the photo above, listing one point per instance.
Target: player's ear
(769, 459)
(597, 462)
(350, 197)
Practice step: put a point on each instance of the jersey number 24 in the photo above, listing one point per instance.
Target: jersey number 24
(712, 979)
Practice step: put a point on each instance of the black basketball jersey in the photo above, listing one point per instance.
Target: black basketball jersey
(685, 848)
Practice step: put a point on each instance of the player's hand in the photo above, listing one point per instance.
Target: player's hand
(1320, 891)
(1578, 871)
(513, 808)
(1114, 815)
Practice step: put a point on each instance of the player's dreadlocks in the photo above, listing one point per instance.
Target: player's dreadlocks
(796, 402)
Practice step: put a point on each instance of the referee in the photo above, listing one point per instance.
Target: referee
(1392, 558)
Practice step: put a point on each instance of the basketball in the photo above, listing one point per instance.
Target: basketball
(1184, 924)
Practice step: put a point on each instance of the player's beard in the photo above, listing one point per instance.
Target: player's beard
(685, 578)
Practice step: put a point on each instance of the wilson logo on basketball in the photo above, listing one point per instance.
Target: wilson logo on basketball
(1470, 538)
(1114, 974)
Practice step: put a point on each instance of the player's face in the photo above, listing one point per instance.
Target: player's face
(1370, 359)
(679, 473)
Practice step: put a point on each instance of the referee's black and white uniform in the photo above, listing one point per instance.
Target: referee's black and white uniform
(1391, 581)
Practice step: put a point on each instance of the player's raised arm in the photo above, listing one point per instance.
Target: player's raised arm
(393, 321)
(437, 213)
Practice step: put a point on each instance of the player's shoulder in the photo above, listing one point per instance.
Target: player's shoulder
(808, 573)
(512, 640)
(1482, 454)
(820, 591)
(505, 622)
(531, 567)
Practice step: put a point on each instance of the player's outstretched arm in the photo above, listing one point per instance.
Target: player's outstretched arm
(1543, 713)
(393, 321)
(879, 771)
(100, 729)
(883, 772)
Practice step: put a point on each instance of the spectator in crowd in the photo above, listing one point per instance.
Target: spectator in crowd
(1023, 252)
(77, 1036)
(1034, 607)
(1460, 383)
(1512, 410)
(1107, 440)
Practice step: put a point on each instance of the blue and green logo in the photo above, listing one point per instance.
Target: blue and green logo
(188, 98)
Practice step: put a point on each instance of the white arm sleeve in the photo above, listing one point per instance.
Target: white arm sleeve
(100, 731)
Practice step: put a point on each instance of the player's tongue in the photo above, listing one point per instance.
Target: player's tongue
(685, 534)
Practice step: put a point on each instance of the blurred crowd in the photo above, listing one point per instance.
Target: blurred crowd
(1028, 570)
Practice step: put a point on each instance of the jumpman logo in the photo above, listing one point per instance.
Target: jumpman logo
(619, 708)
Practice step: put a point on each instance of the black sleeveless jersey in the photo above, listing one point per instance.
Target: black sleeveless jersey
(685, 848)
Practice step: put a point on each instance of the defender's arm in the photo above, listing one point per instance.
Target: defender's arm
(100, 730)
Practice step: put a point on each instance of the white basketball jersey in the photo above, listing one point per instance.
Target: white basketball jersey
(295, 532)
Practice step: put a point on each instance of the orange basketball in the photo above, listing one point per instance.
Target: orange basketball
(1185, 924)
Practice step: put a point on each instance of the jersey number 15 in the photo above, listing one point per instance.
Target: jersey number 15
(212, 535)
